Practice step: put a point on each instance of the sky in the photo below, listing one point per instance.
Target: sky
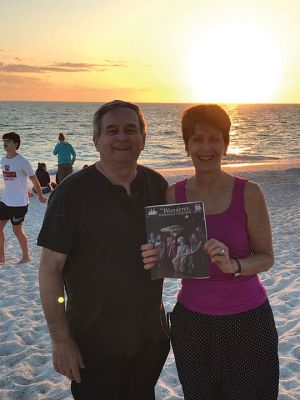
(222, 51)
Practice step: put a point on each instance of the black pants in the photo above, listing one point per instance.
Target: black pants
(123, 377)
(231, 357)
(63, 171)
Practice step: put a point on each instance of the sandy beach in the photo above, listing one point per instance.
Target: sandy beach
(26, 371)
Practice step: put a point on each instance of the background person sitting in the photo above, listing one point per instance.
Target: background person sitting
(43, 177)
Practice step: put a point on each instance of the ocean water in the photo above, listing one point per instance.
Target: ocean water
(259, 133)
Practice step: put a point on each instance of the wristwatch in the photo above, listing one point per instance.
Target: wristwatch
(239, 271)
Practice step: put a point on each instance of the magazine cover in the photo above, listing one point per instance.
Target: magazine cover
(178, 232)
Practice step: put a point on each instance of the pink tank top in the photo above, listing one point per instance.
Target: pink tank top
(224, 294)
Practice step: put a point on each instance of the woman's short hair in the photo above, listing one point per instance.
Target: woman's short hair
(112, 106)
(210, 114)
(62, 136)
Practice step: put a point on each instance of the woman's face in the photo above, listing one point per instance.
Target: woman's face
(206, 147)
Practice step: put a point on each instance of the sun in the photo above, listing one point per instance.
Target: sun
(234, 63)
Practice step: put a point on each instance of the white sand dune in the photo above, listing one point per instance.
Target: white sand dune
(26, 371)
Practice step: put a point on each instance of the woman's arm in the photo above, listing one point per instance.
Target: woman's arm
(259, 231)
(73, 153)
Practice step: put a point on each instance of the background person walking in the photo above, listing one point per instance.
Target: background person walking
(14, 202)
(66, 156)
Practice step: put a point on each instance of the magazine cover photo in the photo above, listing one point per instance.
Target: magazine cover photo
(178, 232)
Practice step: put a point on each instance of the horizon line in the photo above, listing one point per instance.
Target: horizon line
(152, 102)
(238, 167)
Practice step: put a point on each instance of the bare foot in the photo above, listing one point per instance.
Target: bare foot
(25, 260)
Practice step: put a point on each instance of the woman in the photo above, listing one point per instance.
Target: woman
(66, 157)
(222, 328)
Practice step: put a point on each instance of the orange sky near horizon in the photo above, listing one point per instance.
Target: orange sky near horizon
(224, 51)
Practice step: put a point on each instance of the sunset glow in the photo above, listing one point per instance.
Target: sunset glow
(158, 51)
(234, 63)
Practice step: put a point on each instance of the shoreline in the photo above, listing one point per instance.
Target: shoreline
(180, 172)
(241, 167)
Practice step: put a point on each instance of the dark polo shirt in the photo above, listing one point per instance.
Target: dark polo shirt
(112, 304)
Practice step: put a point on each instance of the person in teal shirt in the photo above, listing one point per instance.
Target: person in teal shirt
(66, 157)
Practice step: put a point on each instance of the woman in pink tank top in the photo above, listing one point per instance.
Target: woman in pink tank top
(222, 328)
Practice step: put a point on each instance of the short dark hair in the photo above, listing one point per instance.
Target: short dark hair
(112, 106)
(211, 114)
(42, 165)
(15, 137)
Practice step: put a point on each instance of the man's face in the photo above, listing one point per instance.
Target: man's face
(9, 146)
(120, 140)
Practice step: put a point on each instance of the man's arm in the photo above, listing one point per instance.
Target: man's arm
(38, 189)
(65, 353)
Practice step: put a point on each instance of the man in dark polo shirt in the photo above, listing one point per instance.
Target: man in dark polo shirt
(109, 338)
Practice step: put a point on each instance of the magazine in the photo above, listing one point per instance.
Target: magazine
(178, 232)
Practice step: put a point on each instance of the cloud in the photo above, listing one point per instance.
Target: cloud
(15, 87)
(116, 61)
(84, 65)
(20, 68)
(17, 80)
(59, 67)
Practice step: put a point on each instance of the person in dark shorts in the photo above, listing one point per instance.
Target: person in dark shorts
(110, 336)
(14, 202)
(15, 215)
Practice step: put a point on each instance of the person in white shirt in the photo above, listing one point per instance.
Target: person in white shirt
(14, 202)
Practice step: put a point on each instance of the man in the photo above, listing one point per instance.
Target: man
(14, 203)
(111, 339)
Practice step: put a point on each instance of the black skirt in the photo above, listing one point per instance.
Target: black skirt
(231, 357)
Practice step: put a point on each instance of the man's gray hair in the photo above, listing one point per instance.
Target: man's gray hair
(112, 106)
